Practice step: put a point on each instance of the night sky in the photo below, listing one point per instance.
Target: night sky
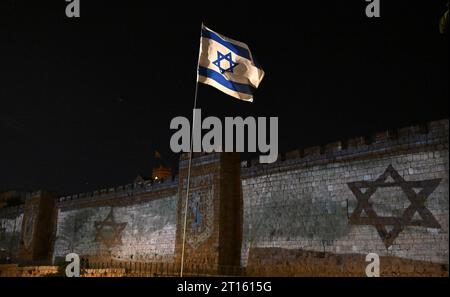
(85, 102)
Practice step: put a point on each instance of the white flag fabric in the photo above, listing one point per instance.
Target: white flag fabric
(228, 65)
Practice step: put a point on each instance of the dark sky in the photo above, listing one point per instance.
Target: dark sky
(84, 102)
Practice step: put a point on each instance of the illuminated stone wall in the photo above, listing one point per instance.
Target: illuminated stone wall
(316, 201)
(10, 229)
(316, 211)
(122, 225)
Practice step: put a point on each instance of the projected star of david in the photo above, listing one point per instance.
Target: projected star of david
(227, 58)
(417, 199)
(108, 231)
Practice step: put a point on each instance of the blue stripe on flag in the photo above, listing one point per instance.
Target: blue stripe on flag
(238, 50)
(238, 87)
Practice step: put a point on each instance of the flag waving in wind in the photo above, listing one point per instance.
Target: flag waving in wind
(228, 65)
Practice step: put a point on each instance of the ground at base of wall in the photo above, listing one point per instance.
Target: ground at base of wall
(289, 262)
(309, 264)
(14, 270)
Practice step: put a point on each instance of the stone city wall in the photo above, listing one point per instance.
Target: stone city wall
(135, 224)
(315, 212)
(386, 195)
(10, 229)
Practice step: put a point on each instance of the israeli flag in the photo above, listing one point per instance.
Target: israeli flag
(228, 65)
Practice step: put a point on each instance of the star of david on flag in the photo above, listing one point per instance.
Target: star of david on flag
(228, 65)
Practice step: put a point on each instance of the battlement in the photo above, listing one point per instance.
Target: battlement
(435, 132)
(432, 133)
(124, 190)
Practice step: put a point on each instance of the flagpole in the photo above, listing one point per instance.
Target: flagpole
(190, 163)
